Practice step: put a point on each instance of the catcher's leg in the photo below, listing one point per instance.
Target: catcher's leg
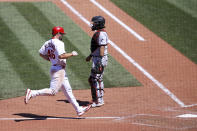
(97, 90)
(100, 91)
(93, 85)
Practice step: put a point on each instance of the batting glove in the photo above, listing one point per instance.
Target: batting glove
(74, 53)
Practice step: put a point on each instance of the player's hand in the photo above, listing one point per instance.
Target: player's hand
(88, 58)
(74, 53)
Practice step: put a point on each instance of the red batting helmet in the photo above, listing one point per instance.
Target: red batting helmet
(57, 29)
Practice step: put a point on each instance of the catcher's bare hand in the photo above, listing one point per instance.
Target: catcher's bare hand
(88, 58)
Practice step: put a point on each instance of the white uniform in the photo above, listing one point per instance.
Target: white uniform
(59, 80)
(53, 48)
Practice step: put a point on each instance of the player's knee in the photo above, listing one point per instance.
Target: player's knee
(54, 92)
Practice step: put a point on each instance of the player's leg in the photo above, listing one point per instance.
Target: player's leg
(93, 84)
(97, 89)
(100, 85)
(55, 84)
(67, 90)
(57, 78)
(97, 85)
(93, 81)
(100, 92)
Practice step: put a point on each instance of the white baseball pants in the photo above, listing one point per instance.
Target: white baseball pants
(59, 80)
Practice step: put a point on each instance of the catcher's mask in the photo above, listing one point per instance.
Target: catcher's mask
(57, 29)
(98, 23)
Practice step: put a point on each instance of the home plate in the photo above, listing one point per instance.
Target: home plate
(187, 116)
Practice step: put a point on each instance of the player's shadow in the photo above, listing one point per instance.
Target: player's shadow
(30, 117)
(81, 103)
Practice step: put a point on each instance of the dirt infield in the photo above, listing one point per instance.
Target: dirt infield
(145, 108)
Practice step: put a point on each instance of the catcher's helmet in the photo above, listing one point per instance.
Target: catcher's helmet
(57, 29)
(98, 22)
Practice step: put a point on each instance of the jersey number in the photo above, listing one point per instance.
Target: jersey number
(51, 54)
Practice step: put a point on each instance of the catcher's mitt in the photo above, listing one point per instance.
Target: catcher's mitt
(99, 68)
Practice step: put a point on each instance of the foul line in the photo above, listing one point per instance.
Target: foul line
(143, 122)
(56, 118)
(187, 116)
(118, 21)
(132, 61)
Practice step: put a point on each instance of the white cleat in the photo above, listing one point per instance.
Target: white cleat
(84, 109)
(97, 105)
(27, 96)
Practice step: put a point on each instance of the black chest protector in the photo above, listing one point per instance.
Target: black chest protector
(94, 41)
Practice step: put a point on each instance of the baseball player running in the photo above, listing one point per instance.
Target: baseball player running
(53, 50)
(99, 60)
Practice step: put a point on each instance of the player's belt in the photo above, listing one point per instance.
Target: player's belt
(59, 65)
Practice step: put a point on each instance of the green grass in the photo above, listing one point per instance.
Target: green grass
(24, 28)
(188, 6)
(175, 21)
(21, 61)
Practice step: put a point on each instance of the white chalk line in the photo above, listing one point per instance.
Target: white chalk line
(133, 116)
(165, 127)
(115, 119)
(132, 61)
(101, 117)
(118, 21)
(56, 118)
(161, 86)
(190, 105)
(187, 116)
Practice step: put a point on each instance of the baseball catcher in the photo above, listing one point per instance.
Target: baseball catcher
(99, 58)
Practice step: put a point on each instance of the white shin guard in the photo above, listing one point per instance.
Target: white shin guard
(100, 91)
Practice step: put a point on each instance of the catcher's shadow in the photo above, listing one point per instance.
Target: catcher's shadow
(81, 103)
(30, 117)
